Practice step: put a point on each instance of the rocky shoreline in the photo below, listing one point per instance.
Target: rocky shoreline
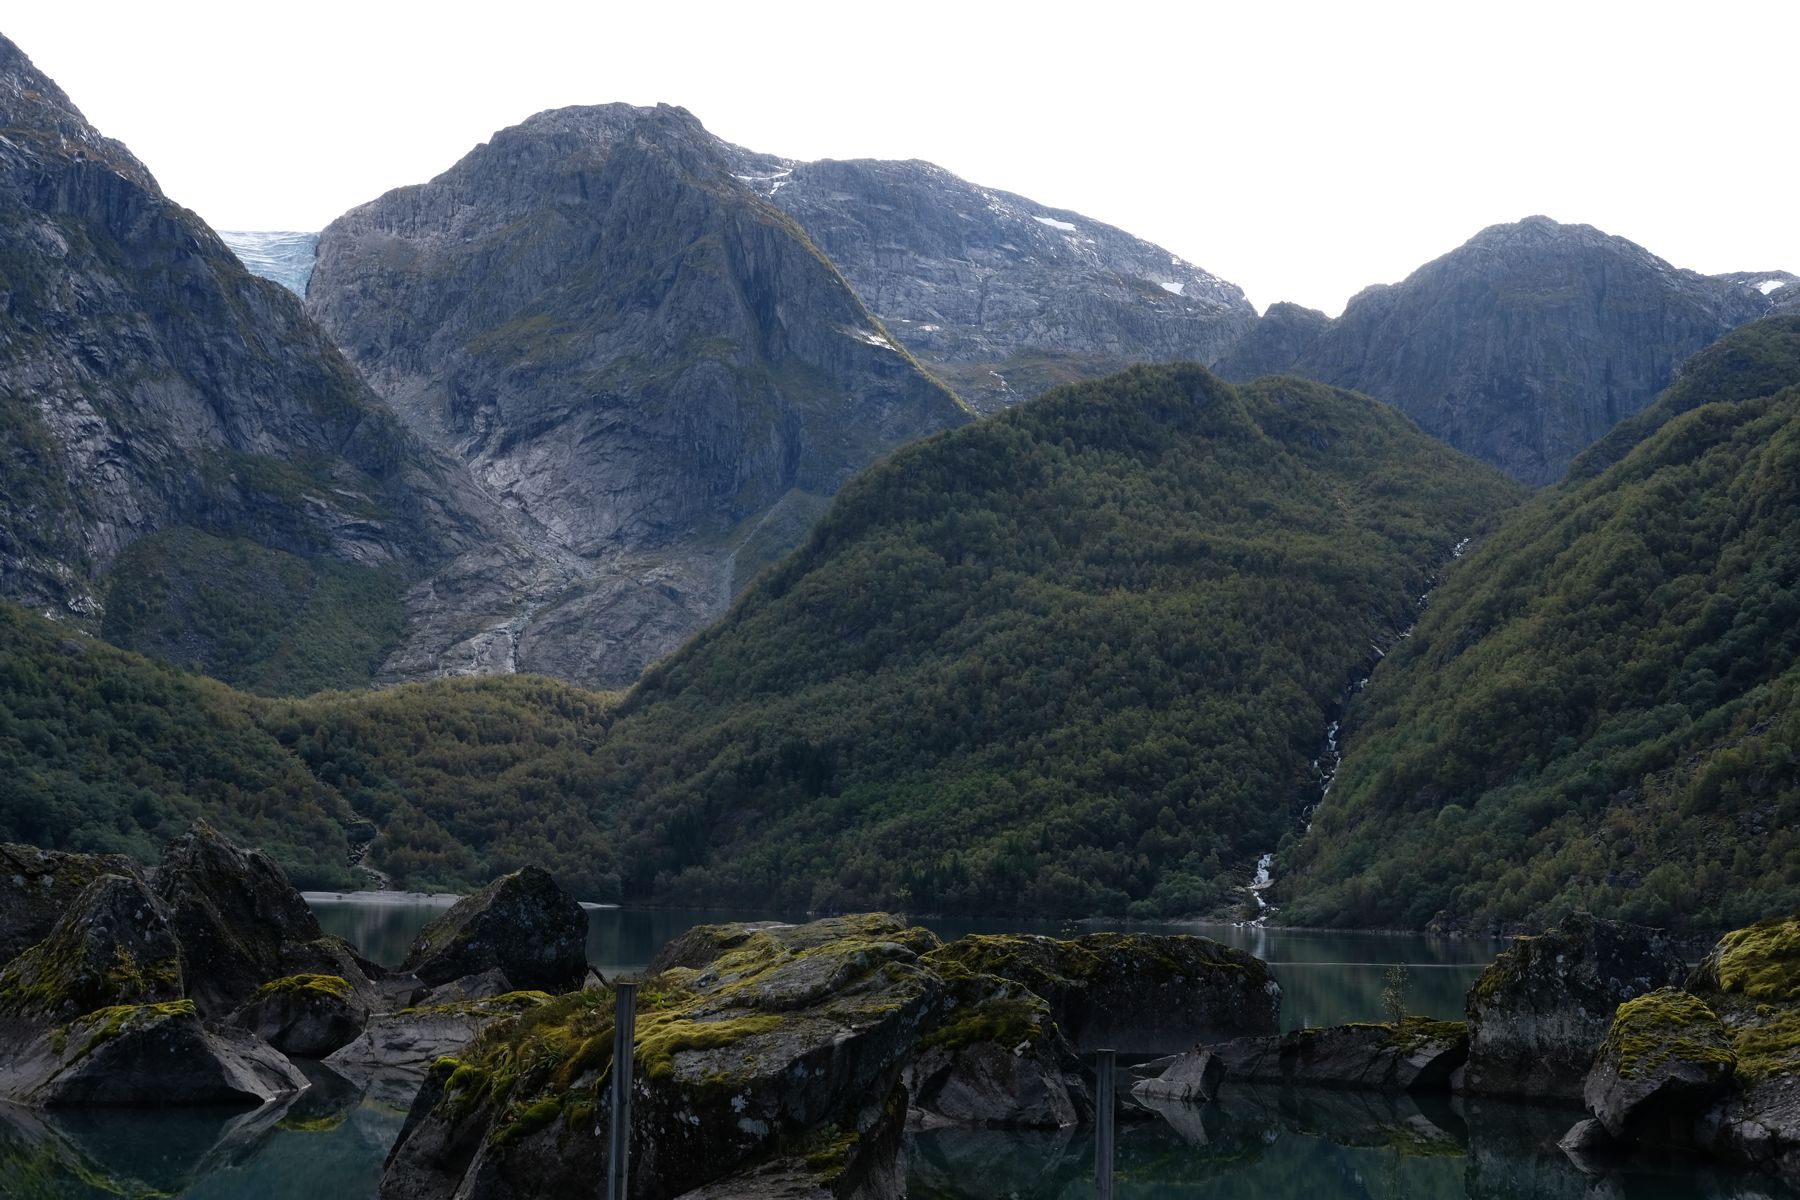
(796, 1060)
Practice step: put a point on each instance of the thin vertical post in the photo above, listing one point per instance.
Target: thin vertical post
(1104, 1103)
(618, 1150)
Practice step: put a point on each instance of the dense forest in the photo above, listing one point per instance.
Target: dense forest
(1601, 708)
(1076, 658)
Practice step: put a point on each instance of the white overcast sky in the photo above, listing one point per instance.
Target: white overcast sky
(1299, 150)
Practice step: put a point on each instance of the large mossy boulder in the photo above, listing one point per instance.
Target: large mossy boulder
(114, 946)
(524, 924)
(1135, 993)
(1417, 1055)
(38, 886)
(1752, 981)
(791, 1039)
(241, 924)
(149, 1054)
(1542, 1008)
(1666, 1059)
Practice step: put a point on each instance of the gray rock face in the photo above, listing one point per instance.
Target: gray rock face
(523, 925)
(149, 383)
(1419, 1056)
(157, 1054)
(1278, 341)
(1542, 1008)
(1665, 1060)
(1524, 345)
(37, 887)
(1193, 1078)
(308, 1015)
(1135, 993)
(114, 946)
(240, 924)
(1000, 295)
(629, 347)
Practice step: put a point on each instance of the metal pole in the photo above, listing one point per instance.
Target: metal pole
(1104, 1103)
(618, 1150)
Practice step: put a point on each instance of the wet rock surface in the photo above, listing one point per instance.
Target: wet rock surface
(1417, 1055)
(1539, 1012)
(1135, 993)
(523, 925)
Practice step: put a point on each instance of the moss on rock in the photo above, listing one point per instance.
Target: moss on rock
(1666, 1024)
(1761, 962)
(333, 987)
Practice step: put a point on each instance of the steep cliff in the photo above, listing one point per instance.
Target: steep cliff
(1000, 295)
(633, 349)
(148, 384)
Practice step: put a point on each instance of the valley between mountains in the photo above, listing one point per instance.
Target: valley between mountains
(707, 526)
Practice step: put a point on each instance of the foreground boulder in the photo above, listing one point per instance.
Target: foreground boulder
(149, 1054)
(1752, 981)
(997, 1060)
(38, 886)
(1544, 1005)
(1665, 1060)
(114, 946)
(522, 924)
(1135, 993)
(1417, 1055)
(788, 1039)
(305, 1015)
(241, 924)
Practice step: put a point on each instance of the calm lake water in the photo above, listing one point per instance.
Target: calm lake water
(330, 1140)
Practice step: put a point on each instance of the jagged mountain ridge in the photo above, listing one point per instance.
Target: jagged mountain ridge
(1001, 295)
(149, 384)
(1522, 347)
(632, 348)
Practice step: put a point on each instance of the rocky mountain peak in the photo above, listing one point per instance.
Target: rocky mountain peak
(38, 118)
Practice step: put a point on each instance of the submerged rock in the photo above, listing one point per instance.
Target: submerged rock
(522, 924)
(1665, 1060)
(1135, 993)
(38, 886)
(1418, 1055)
(1542, 1008)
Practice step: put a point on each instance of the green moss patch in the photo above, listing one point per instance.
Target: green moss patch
(1666, 1024)
(103, 1025)
(1761, 962)
(312, 987)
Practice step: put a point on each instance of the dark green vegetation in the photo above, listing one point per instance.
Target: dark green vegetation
(1601, 709)
(1073, 659)
(105, 750)
(263, 620)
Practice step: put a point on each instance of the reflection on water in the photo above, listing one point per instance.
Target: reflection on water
(1314, 1144)
(331, 1139)
(1326, 978)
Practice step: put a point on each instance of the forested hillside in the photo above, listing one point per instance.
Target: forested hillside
(1076, 658)
(1601, 707)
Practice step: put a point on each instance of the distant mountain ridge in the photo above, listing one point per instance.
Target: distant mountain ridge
(1522, 347)
(632, 349)
(180, 443)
